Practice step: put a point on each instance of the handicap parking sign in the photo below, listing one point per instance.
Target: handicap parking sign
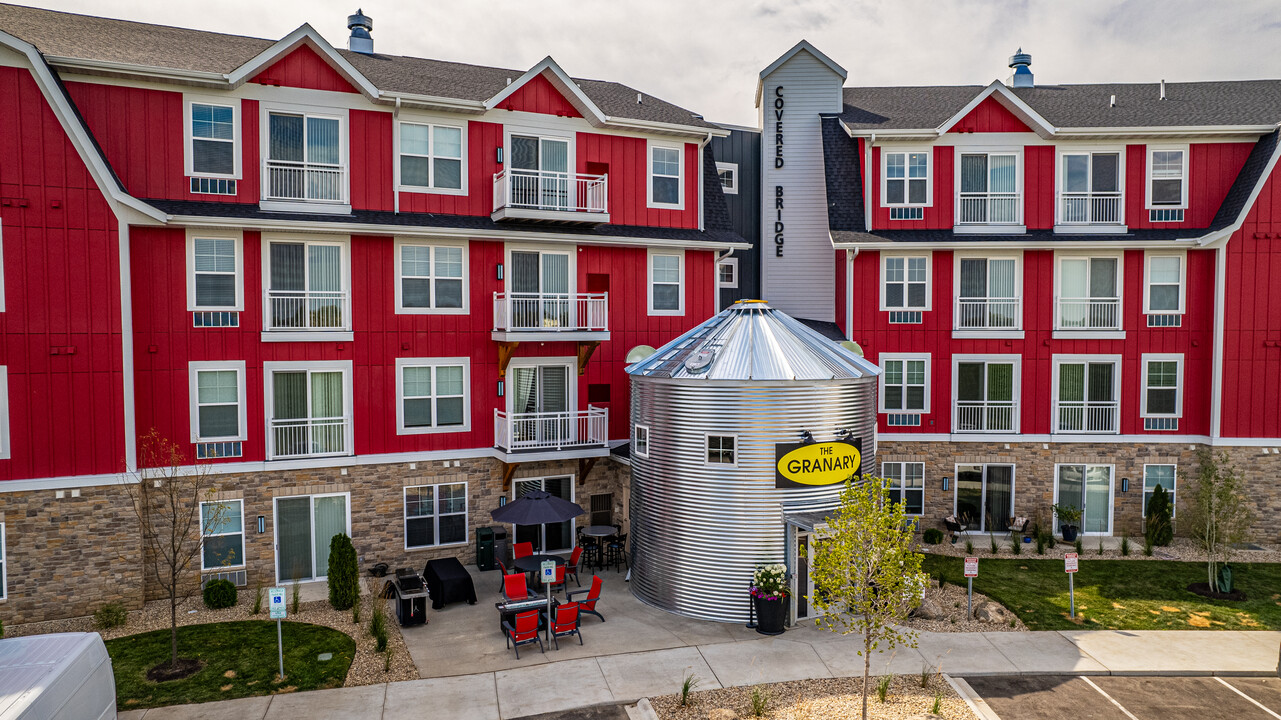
(276, 597)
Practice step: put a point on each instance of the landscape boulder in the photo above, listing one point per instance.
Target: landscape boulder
(929, 609)
(990, 612)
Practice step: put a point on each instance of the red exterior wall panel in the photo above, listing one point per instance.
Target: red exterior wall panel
(539, 96)
(371, 161)
(304, 68)
(939, 215)
(628, 169)
(990, 116)
(1212, 168)
(1038, 187)
(483, 140)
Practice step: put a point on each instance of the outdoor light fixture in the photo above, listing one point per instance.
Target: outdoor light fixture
(262, 524)
(945, 482)
(1125, 485)
(806, 437)
(500, 388)
(500, 271)
(499, 155)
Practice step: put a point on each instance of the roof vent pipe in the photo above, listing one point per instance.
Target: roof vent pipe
(360, 26)
(1162, 88)
(1112, 101)
(638, 98)
(1021, 70)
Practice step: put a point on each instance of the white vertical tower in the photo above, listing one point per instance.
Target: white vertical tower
(798, 264)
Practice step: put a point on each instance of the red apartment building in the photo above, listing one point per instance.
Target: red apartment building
(377, 293)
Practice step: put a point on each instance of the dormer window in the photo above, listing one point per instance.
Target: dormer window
(305, 158)
(906, 190)
(1167, 191)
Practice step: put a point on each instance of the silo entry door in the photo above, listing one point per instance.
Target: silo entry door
(803, 584)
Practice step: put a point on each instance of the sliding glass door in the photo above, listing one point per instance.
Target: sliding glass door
(305, 525)
(985, 496)
(552, 537)
(540, 403)
(540, 289)
(308, 415)
(1089, 488)
(540, 172)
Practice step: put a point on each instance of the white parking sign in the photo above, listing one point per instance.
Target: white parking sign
(276, 604)
(1070, 562)
(971, 567)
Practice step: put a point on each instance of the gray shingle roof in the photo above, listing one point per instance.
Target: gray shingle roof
(87, 37)
(1233, 102)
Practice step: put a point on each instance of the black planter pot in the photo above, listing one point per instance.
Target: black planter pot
(771, 615)
(1069, 533)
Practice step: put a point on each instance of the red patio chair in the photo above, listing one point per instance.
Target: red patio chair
(566, 623)
(502, 567)
(520, 550)
(559, 582)
(593, 595)
(524, 632)
(514, 587)
(571, 569)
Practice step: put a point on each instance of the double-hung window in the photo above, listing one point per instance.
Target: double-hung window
(306, 158)
(435, 515)
(212, 153)
(906, 485)
(214, 280)
(990, 193)
(222, 534)
(218, 401)
(1167, 191)
(721, 449)
(907, 184)
(640, 440)
(431, 157)
(986, 394)
(1089, 293)
(1090, 188)
(904, 388)
(905, 290)
(989, 294)
(666, 293)
(431, 278)
(1158, 475)
(307, 286)
(1162, 402)
(1164, 296)
(309, 408)
(1086, 394)
(432, 395)
(665, 175)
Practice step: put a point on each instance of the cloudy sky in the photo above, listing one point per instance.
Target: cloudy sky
(706, 55)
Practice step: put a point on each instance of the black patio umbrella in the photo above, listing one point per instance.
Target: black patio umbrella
(537, 507)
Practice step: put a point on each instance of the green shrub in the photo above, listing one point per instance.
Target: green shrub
(344, 578)
(1158, 524)
(1125, 544)
(219, 594)
(883, 687)
(1016, 546)
(257, 598)
(1040, 544)
(969, 548)
(1079, 546)
(932, 536)
(995, 550)
(378, 625)
(110, 615)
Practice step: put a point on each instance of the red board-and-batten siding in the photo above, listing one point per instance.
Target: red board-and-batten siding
(165, 341)
(538, 95)
(62, 290)
(304, 68)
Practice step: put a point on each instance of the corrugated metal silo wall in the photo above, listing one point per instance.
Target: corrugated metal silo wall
(698, 531)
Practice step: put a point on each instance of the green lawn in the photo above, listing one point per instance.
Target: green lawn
(1121, 594)
(240, 660)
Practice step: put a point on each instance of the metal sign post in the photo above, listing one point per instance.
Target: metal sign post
(548, 568)
(276, 607)
(1070, 563)
(971, 572)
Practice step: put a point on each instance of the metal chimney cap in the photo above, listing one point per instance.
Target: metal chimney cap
(1020, 59)
(360, 19)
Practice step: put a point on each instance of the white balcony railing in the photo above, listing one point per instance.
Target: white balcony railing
(1089, 313)
(988, 314)
(551, 191)
(980, 416)
(1087, 417)
(570, 430)
(552, 312)
(1090, 208)
(306, 182)
(309, 437)
(296, 310)
(989, 209)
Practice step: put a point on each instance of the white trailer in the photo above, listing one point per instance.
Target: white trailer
(63, 676)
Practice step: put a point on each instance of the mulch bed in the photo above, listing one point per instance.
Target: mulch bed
(185, 667)
(1203, 589)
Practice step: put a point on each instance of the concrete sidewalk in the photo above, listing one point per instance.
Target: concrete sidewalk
(802, 654)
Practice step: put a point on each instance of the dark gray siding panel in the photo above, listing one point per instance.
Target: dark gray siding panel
(744, 148)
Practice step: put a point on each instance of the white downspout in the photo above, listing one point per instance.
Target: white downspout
(867, 184)
(702, 144)
(395, 140)
(849, 292)
(1216, 383)
(716, 279)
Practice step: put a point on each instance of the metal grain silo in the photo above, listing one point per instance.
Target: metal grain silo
(699, 529)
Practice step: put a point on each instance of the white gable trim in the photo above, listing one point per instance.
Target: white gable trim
(304, 35)
(1003, 95)
(559, 80)
(803, 45)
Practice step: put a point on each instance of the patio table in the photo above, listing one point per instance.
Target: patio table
(534, 563)
(602, 532)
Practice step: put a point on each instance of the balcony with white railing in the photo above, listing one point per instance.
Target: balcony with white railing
(576, 430)
(548, 196)
(1088, 314)
(299, 311)
(551, 316)
(990, 208)
(321, 187)
(309, 437)
(989, 313)
(984, 416)
(1086, 209)
(1087, 417)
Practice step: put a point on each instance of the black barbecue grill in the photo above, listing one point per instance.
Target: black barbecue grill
(411, 596)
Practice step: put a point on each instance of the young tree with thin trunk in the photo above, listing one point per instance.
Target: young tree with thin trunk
(166, 492)
(867, 577)
(1219, 515)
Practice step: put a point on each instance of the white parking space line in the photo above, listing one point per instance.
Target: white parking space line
(1236, 690)
(1110, 698)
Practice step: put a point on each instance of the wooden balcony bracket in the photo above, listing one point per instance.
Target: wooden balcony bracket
(509, 469)
(505, 352)
(585, 466)
(585, 350)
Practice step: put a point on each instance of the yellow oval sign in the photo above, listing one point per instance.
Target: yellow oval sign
(821, 463)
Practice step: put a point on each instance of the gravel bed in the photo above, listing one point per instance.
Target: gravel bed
(952, 598)
(366, 667)
(823, 699)
(1183, 549)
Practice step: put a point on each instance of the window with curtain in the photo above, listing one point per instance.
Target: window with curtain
(1087, 397)
(431, 156)
(989, 295)
(989, 188)
(720, 449)
(1167, 178)
(665, 176)
(903, 385)
(985, 394)
(1088, 488)
(213, 139)
(218, 410)
(435, 515)
(1158, 475)
(306, 288)
(309, 415)
(222, 534)
(905, 282)
(907, 177)
(906, 484)
(214, 269)
(431, 277)
(1088, 293)
(304, 157)
(1161, 388)
(665, 282)
(433, 395)
(1165, 280)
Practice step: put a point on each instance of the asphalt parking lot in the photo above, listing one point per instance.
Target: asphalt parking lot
(1130, 698)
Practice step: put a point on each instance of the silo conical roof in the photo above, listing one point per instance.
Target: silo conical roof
(750, 340)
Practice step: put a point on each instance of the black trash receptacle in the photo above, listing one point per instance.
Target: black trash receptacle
(500, 544)
(484, 548)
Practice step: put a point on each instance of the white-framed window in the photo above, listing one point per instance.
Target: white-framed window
(308, 283)
(905, 282)
(431, 278)
(1086, 394)
(728, 173)
(1088, 292)
(666, 282)
(308, 408)
(1159, 474)
(305, 155)
(1090, 188)
(905, 383)
(432, 158)
(1164, 275)
(666, 176)
(986, 388)
(435, 515)
(906, 485)
(989, 188)
(905, 179)
(212, 138)
(215, 271)
(218, 401)
(1167, 182)
(722, 450)
(1162, 386)
(989, 293)
(1090, 489)
(640, 440)
(727, 273)
(6, 448)
(4, 563)
(431, 395)
(222, 534)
